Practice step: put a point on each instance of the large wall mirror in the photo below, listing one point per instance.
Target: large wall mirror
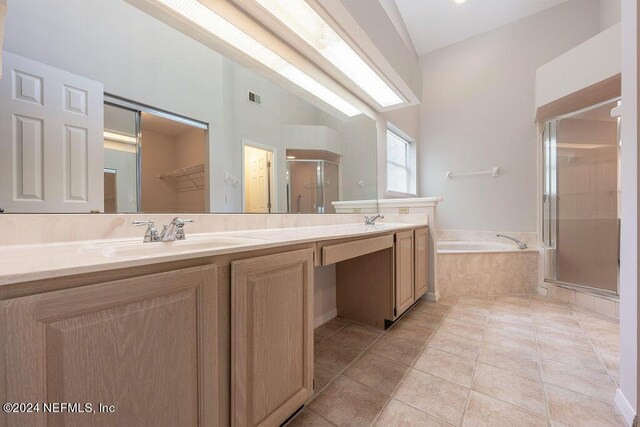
(104, 108)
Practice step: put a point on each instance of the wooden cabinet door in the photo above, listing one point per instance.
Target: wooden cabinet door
(145, 345)
(404, 271)
(421, 265)
(271, 337)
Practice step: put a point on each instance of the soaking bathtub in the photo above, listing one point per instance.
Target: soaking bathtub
(473, 246)
(483, 268)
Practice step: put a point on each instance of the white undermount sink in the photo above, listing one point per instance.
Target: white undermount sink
(190, 244)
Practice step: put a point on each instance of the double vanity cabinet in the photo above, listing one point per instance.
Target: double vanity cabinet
(222, 339)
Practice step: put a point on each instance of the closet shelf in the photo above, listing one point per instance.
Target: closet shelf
(185, 179)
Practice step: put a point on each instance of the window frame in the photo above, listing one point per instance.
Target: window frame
(409, 166)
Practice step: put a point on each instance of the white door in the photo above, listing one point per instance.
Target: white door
(51, 144)
(257, 180)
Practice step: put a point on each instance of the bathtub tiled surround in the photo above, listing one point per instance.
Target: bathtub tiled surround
(490, 272)
(484, 274)
(599, 304)
(519, 360)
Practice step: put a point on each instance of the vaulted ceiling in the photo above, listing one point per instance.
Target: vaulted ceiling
(434, 24)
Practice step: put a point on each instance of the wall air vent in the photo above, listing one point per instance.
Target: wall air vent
(254, 97)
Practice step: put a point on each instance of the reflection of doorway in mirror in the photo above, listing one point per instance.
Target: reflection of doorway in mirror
(120, 156)
(258, 178)
(160, 159)
(314, 180)
(50, 139)
(172, 166)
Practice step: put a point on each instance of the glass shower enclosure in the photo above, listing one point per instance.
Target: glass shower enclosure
(312, 186)
(581, 189)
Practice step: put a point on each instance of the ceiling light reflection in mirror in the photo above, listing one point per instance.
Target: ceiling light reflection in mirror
(300, 18)
(213, 23)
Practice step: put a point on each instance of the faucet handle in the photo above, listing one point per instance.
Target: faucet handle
(180, 227)
(179, 222)
(151, 235)
(139, 223)
(371, 220)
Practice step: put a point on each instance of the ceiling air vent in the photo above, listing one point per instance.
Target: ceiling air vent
(254, 97)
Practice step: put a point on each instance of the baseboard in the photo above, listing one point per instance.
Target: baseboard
(625, 408)
(542, 291)
(321, 320)
(432, 296)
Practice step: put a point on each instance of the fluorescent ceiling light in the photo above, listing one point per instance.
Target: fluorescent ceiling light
(300, 18)
(112, 136)
(213, 23)
(459, 1)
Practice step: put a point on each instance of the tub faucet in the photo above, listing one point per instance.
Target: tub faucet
(521, 244)
(371, 220)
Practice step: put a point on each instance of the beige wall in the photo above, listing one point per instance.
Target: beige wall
(190, 152)
(406, 119)
(593, 61)
(478, 112)
(158, 156)
(164, 153)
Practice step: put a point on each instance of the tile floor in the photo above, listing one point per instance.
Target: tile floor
(520, 360)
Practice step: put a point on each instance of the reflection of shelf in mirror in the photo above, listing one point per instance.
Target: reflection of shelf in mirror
(185, 179)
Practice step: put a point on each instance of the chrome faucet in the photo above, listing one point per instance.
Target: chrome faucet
(151, 235)
(521, 244)
(173, 231)
(371, 220)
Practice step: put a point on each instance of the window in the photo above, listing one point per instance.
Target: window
(398, 163)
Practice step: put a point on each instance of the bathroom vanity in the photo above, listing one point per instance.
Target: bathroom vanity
(213, 330)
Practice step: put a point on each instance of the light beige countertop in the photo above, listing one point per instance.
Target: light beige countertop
(24, 263)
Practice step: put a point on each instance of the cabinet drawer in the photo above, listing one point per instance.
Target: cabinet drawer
(335, 253)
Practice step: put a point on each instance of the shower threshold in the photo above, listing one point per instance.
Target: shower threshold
(610, 295)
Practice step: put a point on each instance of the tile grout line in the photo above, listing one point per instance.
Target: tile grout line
(410, 367)
(593, 347)
(484, 327)
(542, 383)
(586, 333)
(473, 378)
(545, 384)
(365, 349)
(526, 410)
(341, 372)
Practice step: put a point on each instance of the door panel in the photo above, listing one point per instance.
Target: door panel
(51, 122)
(421, 241)
(404, 271)
(257, 180)
(580, 217)
(145, 345)
(271, 337)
